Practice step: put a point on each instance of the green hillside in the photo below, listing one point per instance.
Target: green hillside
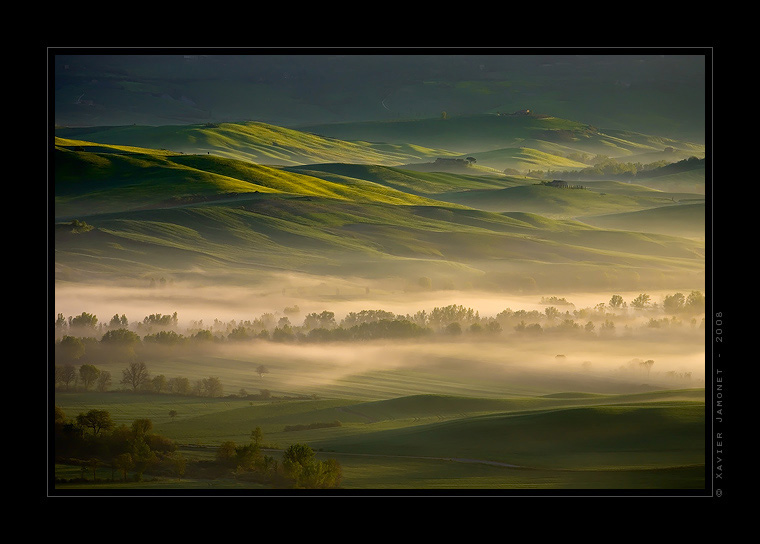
(561, 202)
(255, 142)
(528, 158)
(687, 220)
(484, 133)
(97, 179)
(497, 142)
(404, 179)
(661, 429)
(633, 436)
(166, 212)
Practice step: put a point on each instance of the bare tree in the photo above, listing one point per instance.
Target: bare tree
(135, 375)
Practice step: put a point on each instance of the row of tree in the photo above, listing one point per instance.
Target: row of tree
(93, 441)
(162, 329)
(606, 168)
(136, 377)
(124, 344)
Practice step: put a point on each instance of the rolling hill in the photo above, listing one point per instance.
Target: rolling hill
(497, 142)
(254, 142)
(156, 211)
(484, 135)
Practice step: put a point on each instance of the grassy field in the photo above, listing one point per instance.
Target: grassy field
(440, 442)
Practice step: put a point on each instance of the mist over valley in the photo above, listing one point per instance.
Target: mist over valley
(398, 256)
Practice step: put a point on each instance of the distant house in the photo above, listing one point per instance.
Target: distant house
(557, 183)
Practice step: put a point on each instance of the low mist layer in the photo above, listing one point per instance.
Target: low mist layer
(475, 343)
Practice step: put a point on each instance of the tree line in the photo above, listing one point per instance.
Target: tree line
(77, 345)
(158, 329)
(136, 378)
(93, 441)
(606, 168)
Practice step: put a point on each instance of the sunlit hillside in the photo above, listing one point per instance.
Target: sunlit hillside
(255, 142)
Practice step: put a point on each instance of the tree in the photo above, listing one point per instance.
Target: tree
(94, 463)
(212, 387)
(141, 427)
(616, 301)
(674, 303)
(118, 322)
(256, 435)
(65, 375)
(641, 301)
(71, 348)
(300, 465)
(84, 321)
(261, 370)
(159, 383)
(695, 302)
(647, 365)
(124, 462)
(89, 375)
(179, 385)
(226, 453)
(135, 375)
(104, 380)
(180, 464)
(172, 414)
(453, 329)
(97, 420)
(123, 341)
(295, 460)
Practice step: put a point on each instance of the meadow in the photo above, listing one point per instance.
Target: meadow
(560, 378)
(560, 408)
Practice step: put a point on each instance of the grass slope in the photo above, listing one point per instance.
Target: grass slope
(612, 197)
(255, 142)
(158, 211)
(661, 430)
(688, 220)
(482, 133)
(96, 179)
(609, 437)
